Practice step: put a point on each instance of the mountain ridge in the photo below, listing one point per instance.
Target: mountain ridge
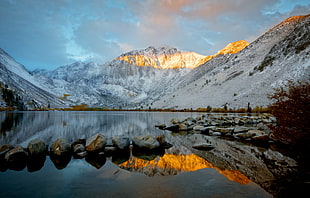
(239, 74)
(171, 58)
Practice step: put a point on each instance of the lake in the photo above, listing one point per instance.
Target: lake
(232, 169)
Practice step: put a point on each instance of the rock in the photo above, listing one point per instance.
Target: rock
(173, 128)
(263, 138)
(161, 126)
(121, 142)
(216, 133)
(146, 141)
(263, 127)
(78, 148)
(243, 135)
(240, 129)
(110, 149)
(16, 158)
(37, 147)
(211, 128)
(205, 131)
(16, 155)
(183, 127)
(60, 147)
(213, 123)
(161, 139)
(255, 132)
(250, 134)
(4, 149)
(95, 143)
(225, 131)
(203, 146)
(198, 128)
(174, 121)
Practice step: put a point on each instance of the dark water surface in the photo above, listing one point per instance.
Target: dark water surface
(177, 172)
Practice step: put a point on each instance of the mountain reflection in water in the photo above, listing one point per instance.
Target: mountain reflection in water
(170, 164)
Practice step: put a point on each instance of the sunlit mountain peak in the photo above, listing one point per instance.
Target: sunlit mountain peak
(171, 58)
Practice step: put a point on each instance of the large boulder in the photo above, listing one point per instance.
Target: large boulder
(4, 149)
(16, 158)
(95, 143)
(36, 148)
(121, 142)
(146, 141)
(60, 147)
(16, 154)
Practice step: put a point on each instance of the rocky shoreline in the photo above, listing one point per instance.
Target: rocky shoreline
(246, 127)
(214, 137)
(93, 149)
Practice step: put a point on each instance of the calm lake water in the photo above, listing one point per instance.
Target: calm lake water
(176, 172)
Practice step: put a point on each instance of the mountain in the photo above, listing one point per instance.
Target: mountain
(166, 77)
(170, 58)
(134, 77)
(19, 87)
(279, 55)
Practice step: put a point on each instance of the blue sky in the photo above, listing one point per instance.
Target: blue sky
(50, 33)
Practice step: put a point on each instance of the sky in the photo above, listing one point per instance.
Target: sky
(46, 34)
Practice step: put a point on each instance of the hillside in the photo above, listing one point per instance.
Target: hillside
(280, 54)
(24, 89)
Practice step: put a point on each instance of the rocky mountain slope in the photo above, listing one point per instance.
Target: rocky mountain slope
(140, 75)
(24, 90)
(280, 54)
(165, 77)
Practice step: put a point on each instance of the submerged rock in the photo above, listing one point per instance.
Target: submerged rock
(95, 143)
(60, 147)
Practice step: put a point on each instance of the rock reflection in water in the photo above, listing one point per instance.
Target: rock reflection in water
(171, 164)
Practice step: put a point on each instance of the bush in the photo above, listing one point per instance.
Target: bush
(292, 110)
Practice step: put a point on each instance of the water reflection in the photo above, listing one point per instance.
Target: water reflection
(20, 128)
(170, 164)
(9, 121)
(229, 159)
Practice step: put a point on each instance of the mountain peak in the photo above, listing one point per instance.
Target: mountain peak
(289, 22)
(233, 47)
(152, 51)
(170, 58)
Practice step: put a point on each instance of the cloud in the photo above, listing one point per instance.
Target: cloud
(52, 33)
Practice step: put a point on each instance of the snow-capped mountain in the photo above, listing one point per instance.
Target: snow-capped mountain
(279, 55)
(24, 86)
(140, 75)
(166, 77)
